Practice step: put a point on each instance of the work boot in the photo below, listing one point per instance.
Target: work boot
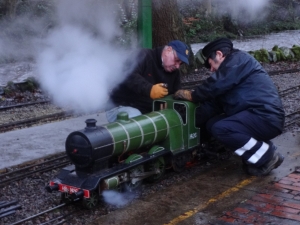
(265, 169)
(272, 164)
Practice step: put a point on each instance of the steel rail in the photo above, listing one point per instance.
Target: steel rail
(44, 169)
(289, 91)
(39, 214)
(23, 105)
(8, 208)
(63, 218)
(9, 126)
(278, 72)
(3, 174)
(194, 82)
(295, 119)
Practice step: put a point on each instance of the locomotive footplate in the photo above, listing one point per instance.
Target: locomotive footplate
(85, 183)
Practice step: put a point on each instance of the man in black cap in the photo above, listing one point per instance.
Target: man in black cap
(240, 106)
(155, 75)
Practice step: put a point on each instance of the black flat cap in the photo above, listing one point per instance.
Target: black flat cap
(214, 46)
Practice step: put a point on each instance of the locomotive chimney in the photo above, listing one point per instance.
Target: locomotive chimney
(90, 124)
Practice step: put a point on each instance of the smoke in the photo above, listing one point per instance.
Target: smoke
(116, 198)
(240, 10)
(80, 62)
(243, 11)
(20, 37)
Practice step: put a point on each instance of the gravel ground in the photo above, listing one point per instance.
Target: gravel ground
(34, 199)
(24, 113)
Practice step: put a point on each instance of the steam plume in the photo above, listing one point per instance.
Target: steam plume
(80, 62)
(116, 198)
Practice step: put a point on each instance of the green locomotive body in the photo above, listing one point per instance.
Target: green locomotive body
(127, 151)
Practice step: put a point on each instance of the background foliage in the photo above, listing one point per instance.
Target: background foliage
(199, 25)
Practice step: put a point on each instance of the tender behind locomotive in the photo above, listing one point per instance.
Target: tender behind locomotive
(123, 153)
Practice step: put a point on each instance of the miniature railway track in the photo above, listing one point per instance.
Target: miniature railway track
(278, 72)
(56, 220)
(292, 118)
(288, 91)
(32, 121)
(19, 173)
(61, 219)
(8, 208)
(195, 81)
(23, 105)
(191, 84)
(53, 162)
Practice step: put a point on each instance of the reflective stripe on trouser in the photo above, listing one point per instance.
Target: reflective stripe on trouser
(254, 152)
(246, 134)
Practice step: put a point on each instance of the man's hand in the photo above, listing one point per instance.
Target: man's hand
(158, 91)
(183, 95)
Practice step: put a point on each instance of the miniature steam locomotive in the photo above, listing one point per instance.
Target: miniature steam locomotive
(120, 155)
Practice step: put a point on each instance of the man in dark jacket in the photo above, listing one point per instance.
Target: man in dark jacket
(155, 76)
(240, 106)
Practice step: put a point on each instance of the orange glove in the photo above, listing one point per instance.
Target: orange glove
(158, 91)
(183, 95)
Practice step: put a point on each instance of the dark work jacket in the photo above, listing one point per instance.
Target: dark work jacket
(241, 83)
(135, 89)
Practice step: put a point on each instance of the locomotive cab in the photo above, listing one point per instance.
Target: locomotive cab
(187, 112)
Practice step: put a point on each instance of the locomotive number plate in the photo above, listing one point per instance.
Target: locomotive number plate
(70, 190)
